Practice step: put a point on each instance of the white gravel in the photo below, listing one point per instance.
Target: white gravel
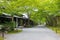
(33, 34)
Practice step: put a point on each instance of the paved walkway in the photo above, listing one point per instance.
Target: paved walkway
(33, 34)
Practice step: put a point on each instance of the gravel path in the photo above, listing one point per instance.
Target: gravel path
(33, 34)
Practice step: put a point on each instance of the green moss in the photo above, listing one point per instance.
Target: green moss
(56, 29)
(1, 38)
(13, 32)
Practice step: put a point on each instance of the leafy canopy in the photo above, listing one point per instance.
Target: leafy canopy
(43, 7)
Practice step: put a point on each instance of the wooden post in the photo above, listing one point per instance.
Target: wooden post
(16, 22)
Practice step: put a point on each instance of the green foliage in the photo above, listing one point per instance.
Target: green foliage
(15, 31)
(9, 26)
(45, 8)
(55, 29)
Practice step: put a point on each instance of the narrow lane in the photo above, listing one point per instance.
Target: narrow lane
(33, 34)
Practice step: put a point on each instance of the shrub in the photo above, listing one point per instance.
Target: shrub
(9, 26)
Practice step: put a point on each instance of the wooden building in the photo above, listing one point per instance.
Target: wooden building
(20, 21)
